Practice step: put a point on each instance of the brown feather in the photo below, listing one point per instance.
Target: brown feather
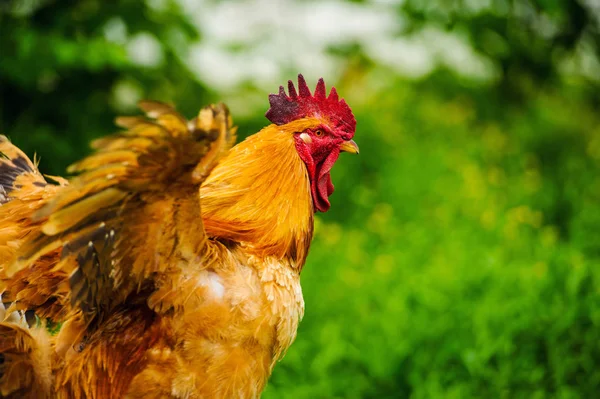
(70, 216)
(25, 368)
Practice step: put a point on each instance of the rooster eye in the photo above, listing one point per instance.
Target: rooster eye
(319, 133)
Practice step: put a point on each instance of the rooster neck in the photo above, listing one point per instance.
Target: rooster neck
(259, 196)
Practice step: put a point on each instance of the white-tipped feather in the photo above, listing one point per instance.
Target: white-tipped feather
(14, 317)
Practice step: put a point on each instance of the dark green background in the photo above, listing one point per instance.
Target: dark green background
(460, 258)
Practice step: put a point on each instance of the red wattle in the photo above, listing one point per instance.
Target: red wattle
(322, 187)
(318, 170)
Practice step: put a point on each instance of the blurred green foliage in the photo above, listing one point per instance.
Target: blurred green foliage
(464, 262)
(461, 254)
(526, 39)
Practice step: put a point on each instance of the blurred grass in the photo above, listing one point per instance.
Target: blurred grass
(461, 254)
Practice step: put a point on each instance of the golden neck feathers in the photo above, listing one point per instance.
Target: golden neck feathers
(259, 195)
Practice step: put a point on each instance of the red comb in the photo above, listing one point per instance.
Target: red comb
(286, 108)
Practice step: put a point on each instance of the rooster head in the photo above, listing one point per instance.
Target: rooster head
(323, 126)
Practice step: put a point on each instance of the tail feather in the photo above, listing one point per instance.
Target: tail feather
(13, 165)
(25, 353)
(23, 190)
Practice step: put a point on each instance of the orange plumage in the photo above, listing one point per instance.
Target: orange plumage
(172, 261)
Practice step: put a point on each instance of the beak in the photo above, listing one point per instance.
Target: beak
(349, 146)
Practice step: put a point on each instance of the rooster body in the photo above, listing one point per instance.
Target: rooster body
(172, 260)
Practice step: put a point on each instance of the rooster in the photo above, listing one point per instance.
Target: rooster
(171, 263)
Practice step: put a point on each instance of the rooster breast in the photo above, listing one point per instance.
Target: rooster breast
(240, 317)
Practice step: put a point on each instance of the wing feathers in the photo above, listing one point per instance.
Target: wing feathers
(133, 213)
(70, 216)
(119, 157)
